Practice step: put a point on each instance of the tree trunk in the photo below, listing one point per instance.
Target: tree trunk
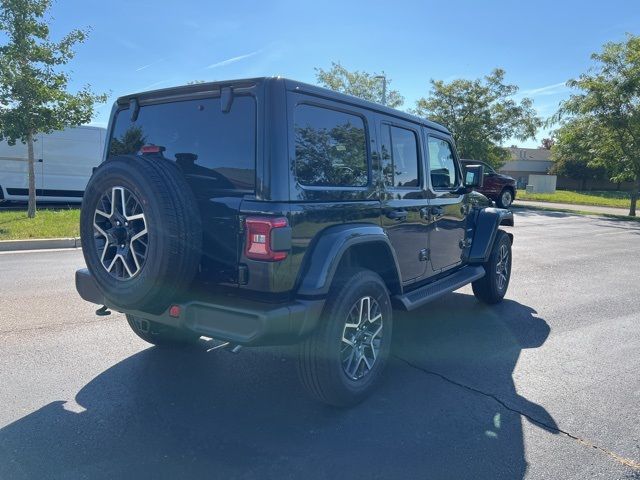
(31, 209)
(634, 199)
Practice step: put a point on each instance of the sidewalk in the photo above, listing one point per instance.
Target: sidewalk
(38, 244)
(568, 206)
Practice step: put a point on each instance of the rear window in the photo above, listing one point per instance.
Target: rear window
(399, 157)
(203, 141)
(331, 148)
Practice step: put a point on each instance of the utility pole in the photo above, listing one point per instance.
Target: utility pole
(384, 88)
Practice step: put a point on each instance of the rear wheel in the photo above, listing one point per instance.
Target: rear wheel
(343, 360)
(505, 199)
(159, 334)
(493, 286)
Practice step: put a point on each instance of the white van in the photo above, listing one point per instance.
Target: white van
(64, 163)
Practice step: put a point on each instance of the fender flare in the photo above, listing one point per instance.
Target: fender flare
(322, 260)
(487, 223)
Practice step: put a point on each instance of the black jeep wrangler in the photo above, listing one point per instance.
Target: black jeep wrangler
(268, 212)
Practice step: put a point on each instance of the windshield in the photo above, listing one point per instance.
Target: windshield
(488, 168)
(203, 141)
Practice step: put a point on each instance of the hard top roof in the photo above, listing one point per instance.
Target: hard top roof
(292, 85)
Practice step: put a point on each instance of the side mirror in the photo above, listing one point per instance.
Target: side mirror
(473, 176)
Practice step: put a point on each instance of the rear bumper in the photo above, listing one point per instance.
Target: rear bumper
(227, 318)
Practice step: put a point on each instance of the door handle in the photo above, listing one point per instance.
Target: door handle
(397, 215)
(40, 160)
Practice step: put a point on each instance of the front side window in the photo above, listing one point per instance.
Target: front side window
(206, 143)
(488, 169)
(399, 157)
(442, 164)
(331, 148)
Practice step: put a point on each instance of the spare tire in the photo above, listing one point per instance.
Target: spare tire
(141, 232)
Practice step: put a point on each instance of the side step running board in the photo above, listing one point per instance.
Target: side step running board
(425, 294)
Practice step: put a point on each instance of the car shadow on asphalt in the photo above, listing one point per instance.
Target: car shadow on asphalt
(179, 414)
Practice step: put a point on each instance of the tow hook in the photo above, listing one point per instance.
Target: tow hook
(103, 311)
(233, 348)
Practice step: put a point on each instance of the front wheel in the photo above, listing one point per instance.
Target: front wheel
(341, 362)
(493, 286)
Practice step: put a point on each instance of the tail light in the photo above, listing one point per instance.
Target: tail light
(262, 243)
(145, 149)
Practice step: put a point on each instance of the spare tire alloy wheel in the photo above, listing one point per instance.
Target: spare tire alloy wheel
(141, 232)
(120, 233)
(361, 338)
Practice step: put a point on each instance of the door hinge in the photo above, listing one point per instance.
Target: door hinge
(425, 254)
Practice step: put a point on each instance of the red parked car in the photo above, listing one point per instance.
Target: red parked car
(498, 187)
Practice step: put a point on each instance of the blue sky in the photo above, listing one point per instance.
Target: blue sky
(139, 45)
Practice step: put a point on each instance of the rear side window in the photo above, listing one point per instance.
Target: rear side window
(331, 148)
(442, 164)
(206, 143)
(399, 157)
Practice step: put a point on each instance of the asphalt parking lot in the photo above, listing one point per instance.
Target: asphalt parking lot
(545, 385)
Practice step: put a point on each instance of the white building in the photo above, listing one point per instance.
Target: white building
(525, 161)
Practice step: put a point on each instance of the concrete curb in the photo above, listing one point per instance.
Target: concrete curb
(623, 212)
(38, 244)
(583, 213)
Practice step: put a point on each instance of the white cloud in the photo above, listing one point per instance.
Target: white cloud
(149, 65)
(553, 89)
(231, 60)
(156, 84)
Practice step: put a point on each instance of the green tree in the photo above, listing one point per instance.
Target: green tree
(331, 156)
(33, 86)
(547, 143)
(481, 114)
(572, 155)
(130, 141)
(369, 86)
(609, 102)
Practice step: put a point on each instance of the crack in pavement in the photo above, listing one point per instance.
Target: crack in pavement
(627, 462)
